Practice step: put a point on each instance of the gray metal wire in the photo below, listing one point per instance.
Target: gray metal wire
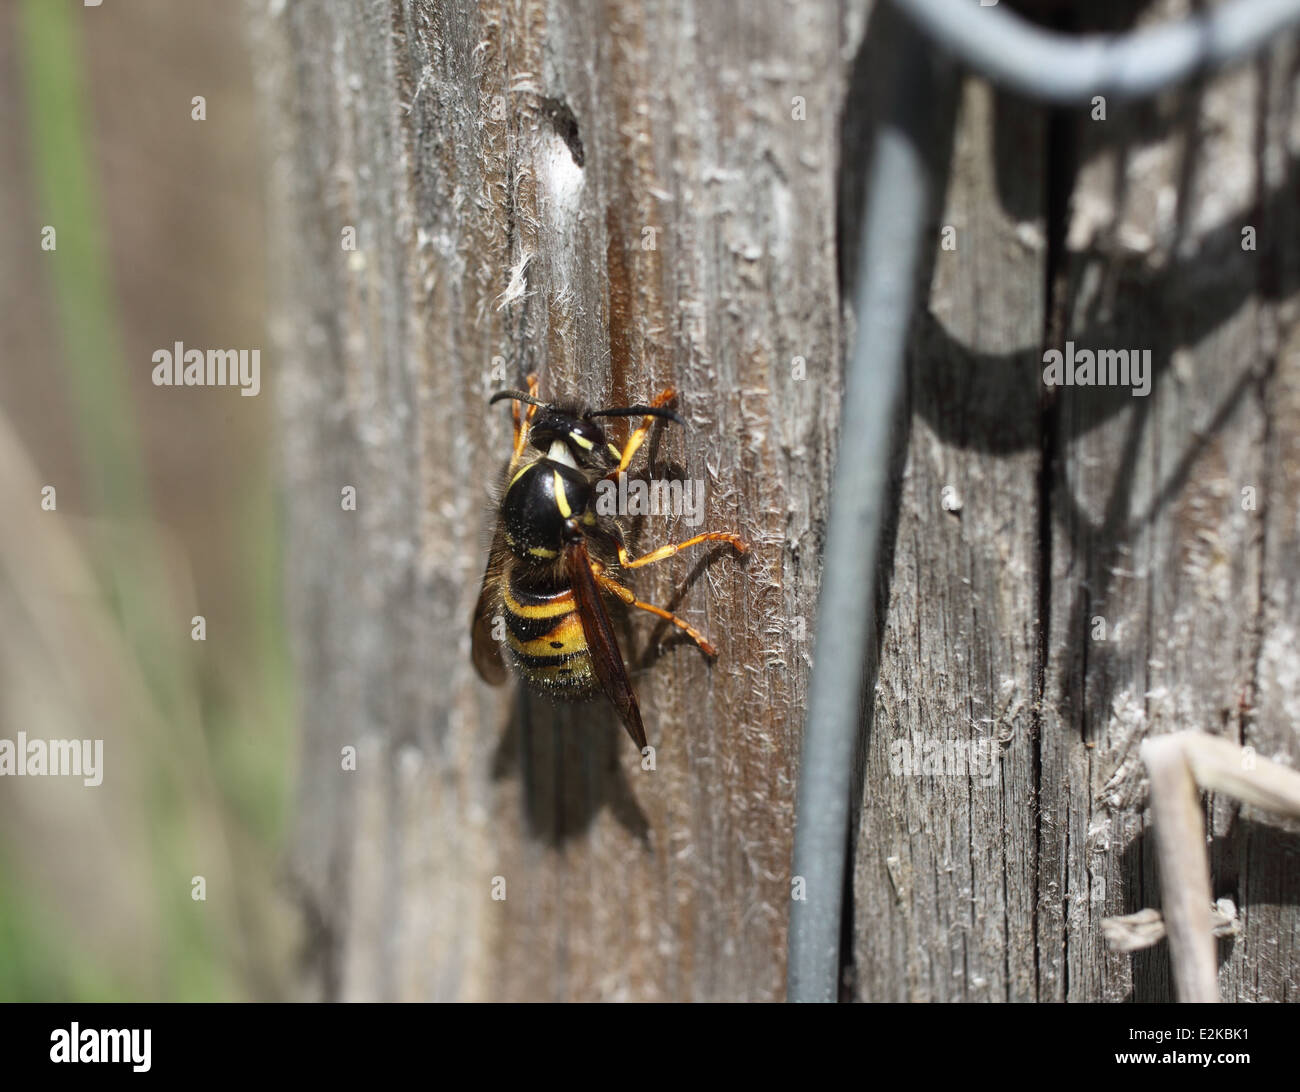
(892, 245)
(1046, 67)
(1066, 70)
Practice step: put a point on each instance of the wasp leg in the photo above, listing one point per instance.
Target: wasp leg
(639, 434)
(671, 548)
(615, 588)
(522, 421)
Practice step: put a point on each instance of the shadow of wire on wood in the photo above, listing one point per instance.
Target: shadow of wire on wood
(1049, 68)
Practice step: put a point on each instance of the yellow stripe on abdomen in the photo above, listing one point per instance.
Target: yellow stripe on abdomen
(550, 608)
(565, 639)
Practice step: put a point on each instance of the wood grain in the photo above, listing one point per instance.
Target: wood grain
(463, 140)
(620, 196)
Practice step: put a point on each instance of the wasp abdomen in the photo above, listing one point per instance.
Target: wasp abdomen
(546, 640)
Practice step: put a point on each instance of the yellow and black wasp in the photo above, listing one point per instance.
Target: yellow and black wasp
(542, 580)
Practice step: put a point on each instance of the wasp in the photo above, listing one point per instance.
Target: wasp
(542, 578)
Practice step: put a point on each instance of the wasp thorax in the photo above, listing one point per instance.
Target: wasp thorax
(540, 501)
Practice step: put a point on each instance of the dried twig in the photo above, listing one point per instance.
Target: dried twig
(1178, 766)
(1146, 928)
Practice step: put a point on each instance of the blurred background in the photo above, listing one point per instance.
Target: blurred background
(165, 511)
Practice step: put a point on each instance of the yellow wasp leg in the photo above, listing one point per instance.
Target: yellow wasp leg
(638, 436)
(522, 421)
(615, 588)
(673, 547)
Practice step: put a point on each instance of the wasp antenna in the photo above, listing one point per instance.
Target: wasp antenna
(516, 396)
(637, 411)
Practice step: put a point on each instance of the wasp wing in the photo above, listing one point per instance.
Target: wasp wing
(485, 649)
(602, 646)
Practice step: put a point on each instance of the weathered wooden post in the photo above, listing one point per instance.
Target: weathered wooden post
(621, 196)
(617, 197)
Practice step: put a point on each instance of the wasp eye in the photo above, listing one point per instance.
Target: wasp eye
(583, 441)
